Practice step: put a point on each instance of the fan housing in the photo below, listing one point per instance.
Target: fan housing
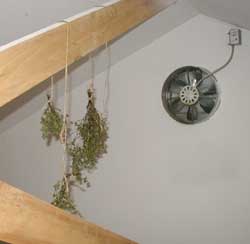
(191, 95)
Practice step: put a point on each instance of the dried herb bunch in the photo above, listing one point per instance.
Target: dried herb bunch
(84, 150)
(52, 122)
(62, 196)
(90, 143)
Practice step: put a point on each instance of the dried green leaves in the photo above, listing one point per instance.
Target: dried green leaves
(51, 122)
(62, 197)
(90, 145)
(84, 150)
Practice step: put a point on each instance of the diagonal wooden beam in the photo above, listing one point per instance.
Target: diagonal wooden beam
(27, 220)
(29, 61)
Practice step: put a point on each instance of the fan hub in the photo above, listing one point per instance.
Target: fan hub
(189, 95)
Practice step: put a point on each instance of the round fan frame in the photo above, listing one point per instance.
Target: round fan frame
(188, 98)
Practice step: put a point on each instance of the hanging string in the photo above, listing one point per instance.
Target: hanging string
(52, 88)
(106, 96)
(50, 93)
(64, 132)
(92, 79)
(66, 86)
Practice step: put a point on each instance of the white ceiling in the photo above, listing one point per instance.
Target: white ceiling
(231, 11)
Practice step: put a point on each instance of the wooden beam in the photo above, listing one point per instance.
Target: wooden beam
(29, 61)
(27, 220)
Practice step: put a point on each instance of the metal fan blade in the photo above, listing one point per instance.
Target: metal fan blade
(207, 88)
(211, 91)
(207, 104)
(176, 86)
(192, 113)
(194, 75)
(180, 83)
(199, 74)
(177, 105)
(209, 96)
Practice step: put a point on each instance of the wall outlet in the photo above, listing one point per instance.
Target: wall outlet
(234, 37)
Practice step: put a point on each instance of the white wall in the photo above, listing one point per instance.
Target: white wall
(162, 182)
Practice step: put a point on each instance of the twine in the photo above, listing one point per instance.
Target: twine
(64, 131)
(52, 88)
(106, 96)
(92, 79)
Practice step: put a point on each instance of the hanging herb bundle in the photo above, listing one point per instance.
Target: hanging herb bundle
(85, 149)
(93, 133)
(62, 197)
(51, 122)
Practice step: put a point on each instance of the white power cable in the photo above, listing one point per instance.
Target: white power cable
(219, 69)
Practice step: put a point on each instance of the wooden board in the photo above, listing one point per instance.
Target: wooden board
(27, 220)
(27, 62)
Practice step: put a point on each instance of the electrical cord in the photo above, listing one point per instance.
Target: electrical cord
(220, 68)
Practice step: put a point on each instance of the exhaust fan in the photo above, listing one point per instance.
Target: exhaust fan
(191, 94)
(189, 102)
